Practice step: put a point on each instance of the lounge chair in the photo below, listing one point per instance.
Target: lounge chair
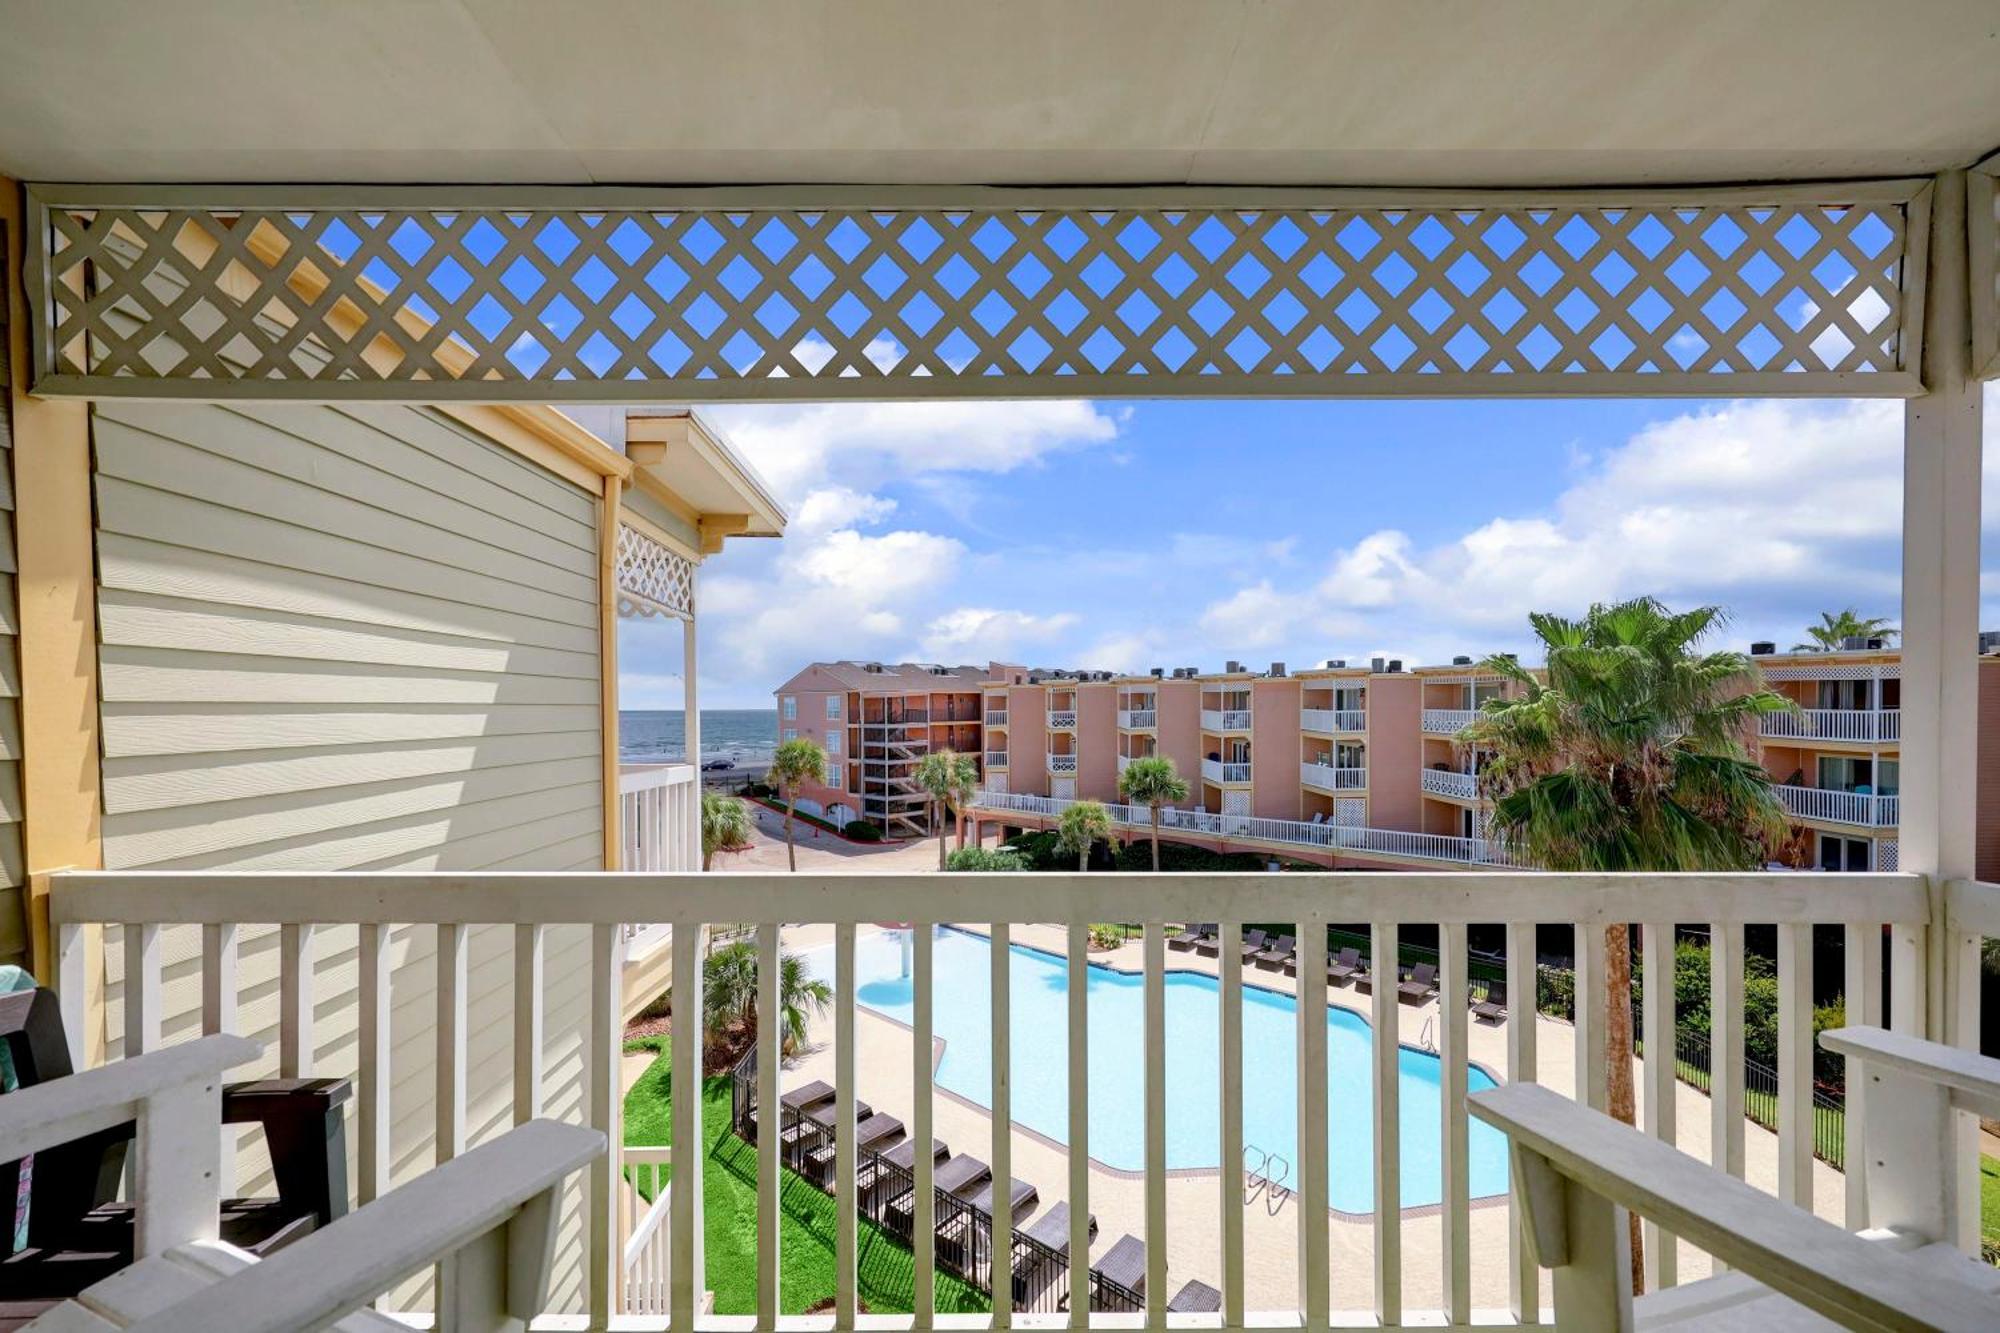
(1345, 966)
(1051, 1229)
(1042, 1264)
(1195, 1298)
(792, 1103)
(1193, 935)
(1253, 944)
(1123, 1265)
(870, 1135)
(1364, 977)
(1209, 945)
(1021, 1199)
(896, 1163)
(1492, 1009)
(1279, 954)
(1422, 984)
(954, 1177)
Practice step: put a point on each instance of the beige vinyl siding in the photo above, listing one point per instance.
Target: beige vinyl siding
(13, 901)
(357, 638)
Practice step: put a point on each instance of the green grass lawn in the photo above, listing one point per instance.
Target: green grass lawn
(1989, 1199)
(806, 1234)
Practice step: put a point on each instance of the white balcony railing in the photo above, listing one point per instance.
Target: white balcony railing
(658, 818)
(1225, 719)
(1446, 782)
(1332, 721)
(1217, 771)
(1839, 807)
(1062, 719)
(1325, 777)
(996, 759)
(1062, 763)
(996, 717)
(1137, 719)
(1448, 721)
(614, 1268)
(1834, 724)
(644, 1262)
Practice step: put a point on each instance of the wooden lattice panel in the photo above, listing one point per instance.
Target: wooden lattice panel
(1789, 290)
(652, 580)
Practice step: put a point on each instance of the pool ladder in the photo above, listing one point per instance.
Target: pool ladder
(1263, 1177)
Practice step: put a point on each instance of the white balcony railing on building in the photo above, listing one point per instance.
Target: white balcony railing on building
(1332, 721)
(1215, 770)
(1448, 721)
(1225, 719)
(1137, 719)
(1834, 724)
(996, 759)
(1062, 763)
(644, 1262)
(1448, 782)
(996, 717)
(1326, 777)
(1062, 719)
(615, 1257)
(658, 815)
(1839, 807)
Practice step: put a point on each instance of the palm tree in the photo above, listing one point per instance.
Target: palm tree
(792, 763)
(949, 779)
(1082, 826)
(725, 826)
(1153, 781)
(1835, 628)
(729, 993)
(1628, 758)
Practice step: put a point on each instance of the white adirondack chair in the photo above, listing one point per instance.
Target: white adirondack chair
(1577, 1173)
(487, 1218)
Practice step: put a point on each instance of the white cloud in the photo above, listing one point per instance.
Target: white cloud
(979, 634)
(838, 507)
(877, 569)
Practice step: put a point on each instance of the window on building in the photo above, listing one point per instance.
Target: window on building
(791, 706)
(791, 733)
(833, 740)
(836, 776)
(833, 707)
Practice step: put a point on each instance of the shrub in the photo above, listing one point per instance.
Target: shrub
(1138, 856)
(1107, 935)
(757, 790)
(984, 859)
(1041, 852)
(862, 831)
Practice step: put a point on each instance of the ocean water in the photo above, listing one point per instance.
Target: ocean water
(961, 1014)
(746, 735)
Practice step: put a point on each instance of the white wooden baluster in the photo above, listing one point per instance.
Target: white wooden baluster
(770, 1125)
(1725, 1050)
(845, 1193)
(530, 953)
(1079, 1125)
(73, 970)
(685, 1278)
(453, 947)
(1229, 1045)
(372, 1113)
(1314, 1272)
(1000, 956)
(1795, 1063)
(295, 1001)
(1862, 956)
(1908, 979)
(1383, 1007)
(607, 1029)
(1591, 1067)
(1524, 1278)
(219, 1014)
(1456, 1215)
(1657, 1072)
(923, 1204)
(1154, 950)
(142, 989)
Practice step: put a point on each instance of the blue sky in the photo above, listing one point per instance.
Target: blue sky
(1127, 535)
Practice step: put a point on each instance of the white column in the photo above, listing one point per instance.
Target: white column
(1941, 468)
(691, 723)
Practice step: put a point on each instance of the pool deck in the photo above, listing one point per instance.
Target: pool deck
(1194, 1201)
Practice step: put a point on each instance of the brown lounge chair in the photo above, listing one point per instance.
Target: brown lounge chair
(1279, 954)
(1192, 937)
(1209, 944)
(1123, 1265)
(1035, 1272)
(1195, 1298)
(1253, 944)
(1346, 966)
(1492, 1009)
(870, 1135)
(1422, 985)
(1021, 1199)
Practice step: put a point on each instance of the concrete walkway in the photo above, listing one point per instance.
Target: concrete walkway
(1195, 1201)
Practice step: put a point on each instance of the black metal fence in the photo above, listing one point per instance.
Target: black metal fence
(885, 1193)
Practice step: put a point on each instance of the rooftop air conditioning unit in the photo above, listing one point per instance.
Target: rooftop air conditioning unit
(1876, 645)
(1853, 643)
(1232, 666)
(1374, 664)
(1395, 664)
(1763, 648)
(1989, 640)
(1277, 668)
(1157, 672)
(1461, 660)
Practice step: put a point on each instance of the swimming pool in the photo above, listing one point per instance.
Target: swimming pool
(962, 1016)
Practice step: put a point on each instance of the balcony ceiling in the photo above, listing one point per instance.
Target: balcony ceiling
(1038, 91)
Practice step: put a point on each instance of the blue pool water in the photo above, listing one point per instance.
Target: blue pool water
(962, 1018)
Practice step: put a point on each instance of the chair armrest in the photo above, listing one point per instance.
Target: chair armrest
(306, 1135)
(47, 1115)
(1854, 1282)
(262, 1100)
(507, 1186)
(1973, 1080)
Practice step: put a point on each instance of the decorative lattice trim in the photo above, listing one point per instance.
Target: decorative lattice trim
(1791, 290)
(652, 580)
(1836, 671)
